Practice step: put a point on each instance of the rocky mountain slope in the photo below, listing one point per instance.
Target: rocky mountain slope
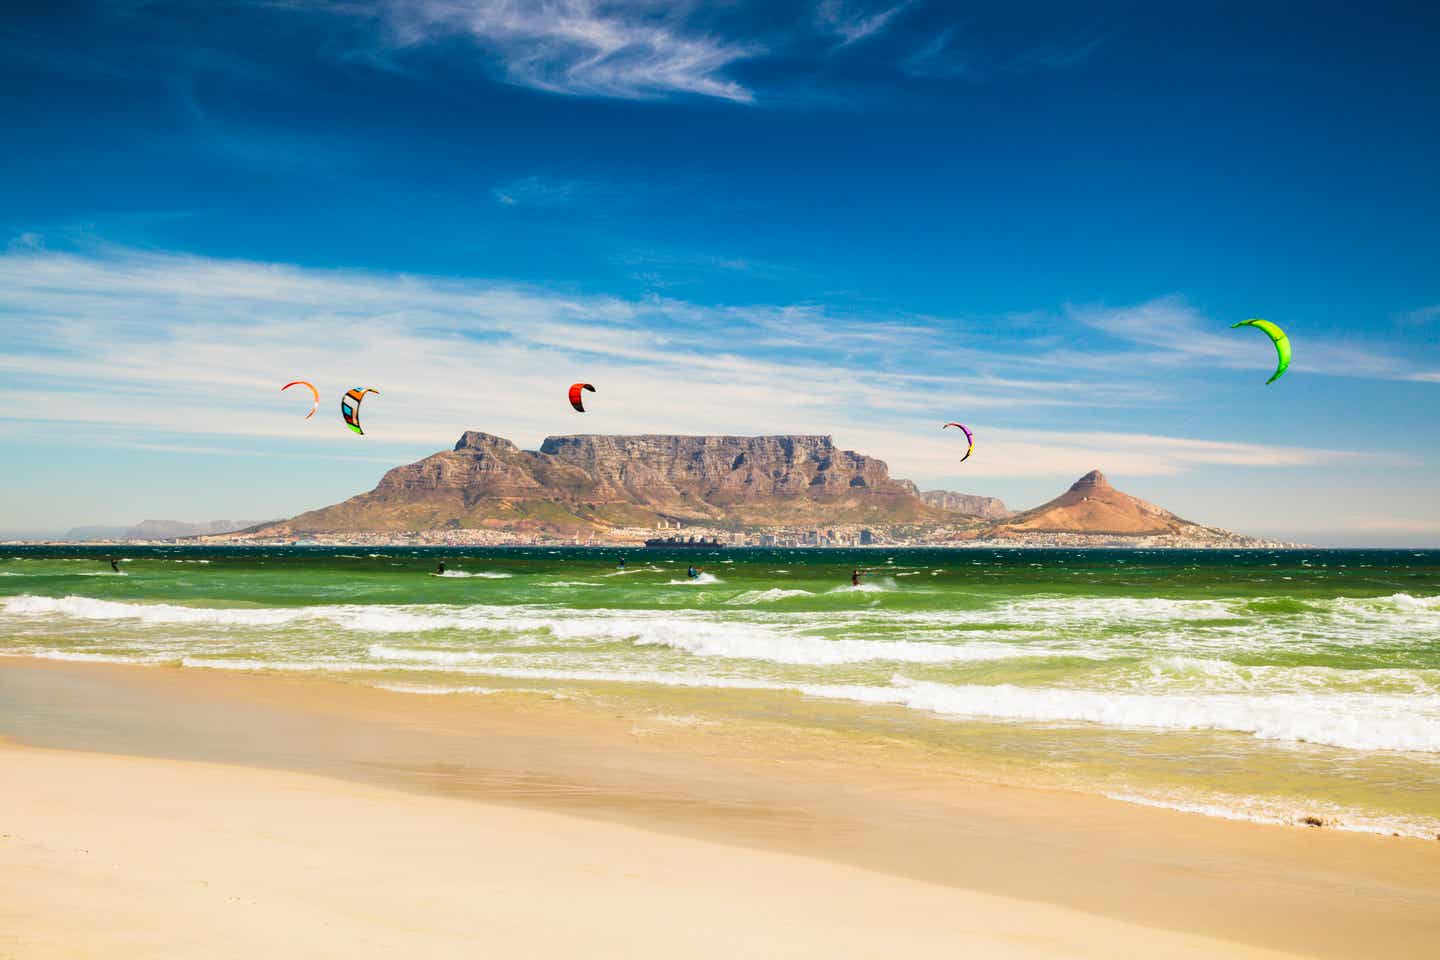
(1093, 507)
(591, 485)
(581, 484)
(988, 508)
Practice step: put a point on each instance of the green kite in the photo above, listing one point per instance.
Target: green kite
(1282, 343)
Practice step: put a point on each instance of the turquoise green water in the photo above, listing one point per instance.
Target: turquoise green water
(1266, 685)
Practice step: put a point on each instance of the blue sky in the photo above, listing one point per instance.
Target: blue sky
(861, 219)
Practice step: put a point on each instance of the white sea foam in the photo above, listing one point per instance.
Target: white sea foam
(866, 586)
(767, 596)
(754, 642)
(481, 574)
(694, 632)
(745, 640)
(89, 608)
(1354, 721)
(382, 652)
(370, 618)
(450, 691)
(1069, 610)
(1364, 722)
(695, 581)
(646, 568)
(284, 666)
(1406, 602)
(86, 573)
(1285, 813)
(81, 656)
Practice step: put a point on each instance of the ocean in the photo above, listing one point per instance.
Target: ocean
(1264, 685)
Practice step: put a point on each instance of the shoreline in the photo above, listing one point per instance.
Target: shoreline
(881, 806)
(1277, 546)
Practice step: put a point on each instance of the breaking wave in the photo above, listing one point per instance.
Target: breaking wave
(767, 596)
(694, 581)
(481, 574)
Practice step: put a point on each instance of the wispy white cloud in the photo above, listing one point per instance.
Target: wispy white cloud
(945, 56)
(637, 50)
(935, 58)
(1181, 335)
(1055, 55)
(853, 23)
(1009, 452)
(1422, 316)
(27, 241)
(182, 351)
(537, 191)
(162, 336)
(657, 49)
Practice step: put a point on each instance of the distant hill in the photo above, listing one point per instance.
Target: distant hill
(987, 508)
(96, 532)
(158, 530)
(1092, 507)
(583, 484)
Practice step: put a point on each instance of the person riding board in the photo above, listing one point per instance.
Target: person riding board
(114, 565)
(692, 573)
(440, 569)
(855, 576)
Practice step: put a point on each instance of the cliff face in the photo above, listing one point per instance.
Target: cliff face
(583, 483)
(987, 508)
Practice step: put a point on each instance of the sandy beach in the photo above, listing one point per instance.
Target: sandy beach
(163, 812)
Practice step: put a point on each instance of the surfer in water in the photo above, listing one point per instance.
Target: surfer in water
(440, 569)
(621, 564)
(692, 573)
(114, 565)
(855, 576)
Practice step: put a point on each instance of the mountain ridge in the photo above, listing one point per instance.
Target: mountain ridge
(157, 530)
(587, 482)
(621, 486)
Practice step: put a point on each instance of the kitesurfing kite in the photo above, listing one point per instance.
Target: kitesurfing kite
(575, 389)
(313, 391)
(350, 407)
(968, 436)
(1282, 344)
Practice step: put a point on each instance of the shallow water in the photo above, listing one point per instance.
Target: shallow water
(1266, 685)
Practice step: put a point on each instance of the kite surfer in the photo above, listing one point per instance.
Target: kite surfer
(440, 569)
(692, 573)
(114, 565)
(855, 576)
(621, 564)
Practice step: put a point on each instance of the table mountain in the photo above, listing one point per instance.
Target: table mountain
(587, 483)
(590, 484)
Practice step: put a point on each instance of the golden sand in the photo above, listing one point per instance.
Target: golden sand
(207, 814)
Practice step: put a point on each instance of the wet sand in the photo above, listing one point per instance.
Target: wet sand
(324, 817)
